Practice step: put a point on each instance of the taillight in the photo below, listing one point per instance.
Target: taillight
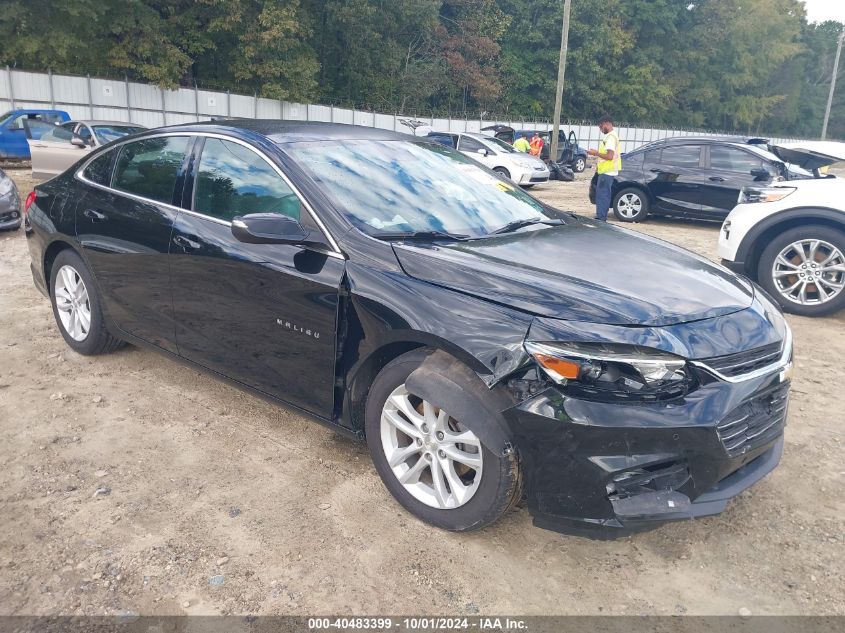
(29, 200)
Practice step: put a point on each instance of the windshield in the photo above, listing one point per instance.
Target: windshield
(406, 186)
(107, 133)
(500, 144)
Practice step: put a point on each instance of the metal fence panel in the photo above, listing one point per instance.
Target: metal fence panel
(121, 100)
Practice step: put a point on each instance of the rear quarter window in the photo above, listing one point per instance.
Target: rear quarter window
(99, 170)
(149, 167)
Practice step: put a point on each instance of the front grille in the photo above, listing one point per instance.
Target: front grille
(756, 421)
(739, 363)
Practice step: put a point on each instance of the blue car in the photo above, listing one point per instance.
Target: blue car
(17, 126)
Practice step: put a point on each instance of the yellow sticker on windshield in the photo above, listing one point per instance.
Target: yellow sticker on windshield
(504, 186)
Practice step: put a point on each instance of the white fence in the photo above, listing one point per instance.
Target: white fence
(121, 100)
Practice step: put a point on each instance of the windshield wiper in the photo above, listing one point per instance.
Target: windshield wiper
(518, 224)
(420, 235)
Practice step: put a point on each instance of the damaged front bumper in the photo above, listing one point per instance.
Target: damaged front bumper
(606, 470)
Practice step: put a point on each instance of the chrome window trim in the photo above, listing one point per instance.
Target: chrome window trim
(79, 175)
(782, 363)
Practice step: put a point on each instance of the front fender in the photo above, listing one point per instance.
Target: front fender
(787, 218)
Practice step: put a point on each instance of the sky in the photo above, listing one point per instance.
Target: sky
(821, 10)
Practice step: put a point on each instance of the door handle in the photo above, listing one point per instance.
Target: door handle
(656, 171)
(95, 216)
(717, 179)
(187, 244)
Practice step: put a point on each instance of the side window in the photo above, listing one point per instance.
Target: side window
(99, 169)
(652, 156)
(634, 159)
(733, 159)
(149, 167)
(57, 135)
(233, 180)
(469, 144)
(687, 156)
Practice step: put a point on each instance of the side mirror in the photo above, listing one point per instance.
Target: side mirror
(269, 228)
(78, 142)
(483, 152)
(761, 173)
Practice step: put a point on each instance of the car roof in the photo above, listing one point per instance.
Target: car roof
(281, 131)
(684, 140)
(92, 122)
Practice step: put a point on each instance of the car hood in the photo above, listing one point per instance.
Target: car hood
(584, 271)
(810, 154)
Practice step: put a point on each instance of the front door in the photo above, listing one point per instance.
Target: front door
(730, 171)
(262, 314)
(124, 224)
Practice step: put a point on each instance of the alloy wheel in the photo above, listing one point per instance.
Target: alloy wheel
(72, 303)
(435, 458)
(629, 205)
(809, 272)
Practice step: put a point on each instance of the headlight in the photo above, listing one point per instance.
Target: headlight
(609, 371)
(748, 195)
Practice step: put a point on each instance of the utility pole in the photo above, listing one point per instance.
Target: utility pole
(832, 84)
(561, 70)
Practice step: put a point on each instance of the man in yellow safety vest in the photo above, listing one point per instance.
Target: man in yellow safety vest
(608, 165)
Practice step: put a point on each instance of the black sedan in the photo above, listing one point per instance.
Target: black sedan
(401, 293)
(692, 177)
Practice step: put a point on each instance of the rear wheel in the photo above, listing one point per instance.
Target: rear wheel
(630, 205)
(804, 268)
(435, 465)
(76, 306)
(579, 164)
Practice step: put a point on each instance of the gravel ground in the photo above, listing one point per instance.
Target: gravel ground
(129, 483)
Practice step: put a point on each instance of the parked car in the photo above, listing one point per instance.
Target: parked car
(400, 292)
(64, 144)
(17, 126)
(790, 235)
(523, 169)
(692, 177)
(569, 153)
(10, 203)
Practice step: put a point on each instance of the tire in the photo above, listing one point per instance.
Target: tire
(500, 485)
(69, 269)
(630, 205)
(830, 246)
(502, 172)
(579, 164)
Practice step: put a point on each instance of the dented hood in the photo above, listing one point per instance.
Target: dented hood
(810, 154)
(582, 271)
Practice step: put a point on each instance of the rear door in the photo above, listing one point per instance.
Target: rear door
(262, 314)
(675, 179)
(729, 171)
(124, 224)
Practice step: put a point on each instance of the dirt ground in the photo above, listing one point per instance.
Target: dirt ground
(132, 484)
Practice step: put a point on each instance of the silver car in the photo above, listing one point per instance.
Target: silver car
(66, 143)
(10, 203)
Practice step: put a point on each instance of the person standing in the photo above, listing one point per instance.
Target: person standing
(536, 144)
(608, 165)
(522, 145)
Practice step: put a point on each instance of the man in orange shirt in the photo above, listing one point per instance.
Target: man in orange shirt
(536, 144)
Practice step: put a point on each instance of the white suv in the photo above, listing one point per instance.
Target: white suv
(790, 235)
(524, 169)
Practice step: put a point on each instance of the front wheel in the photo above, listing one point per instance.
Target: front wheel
(579, 164)
(435, 465)
(502, 172)
(804, 268)
(630, 205)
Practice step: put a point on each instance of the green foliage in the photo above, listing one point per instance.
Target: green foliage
(746, 65)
